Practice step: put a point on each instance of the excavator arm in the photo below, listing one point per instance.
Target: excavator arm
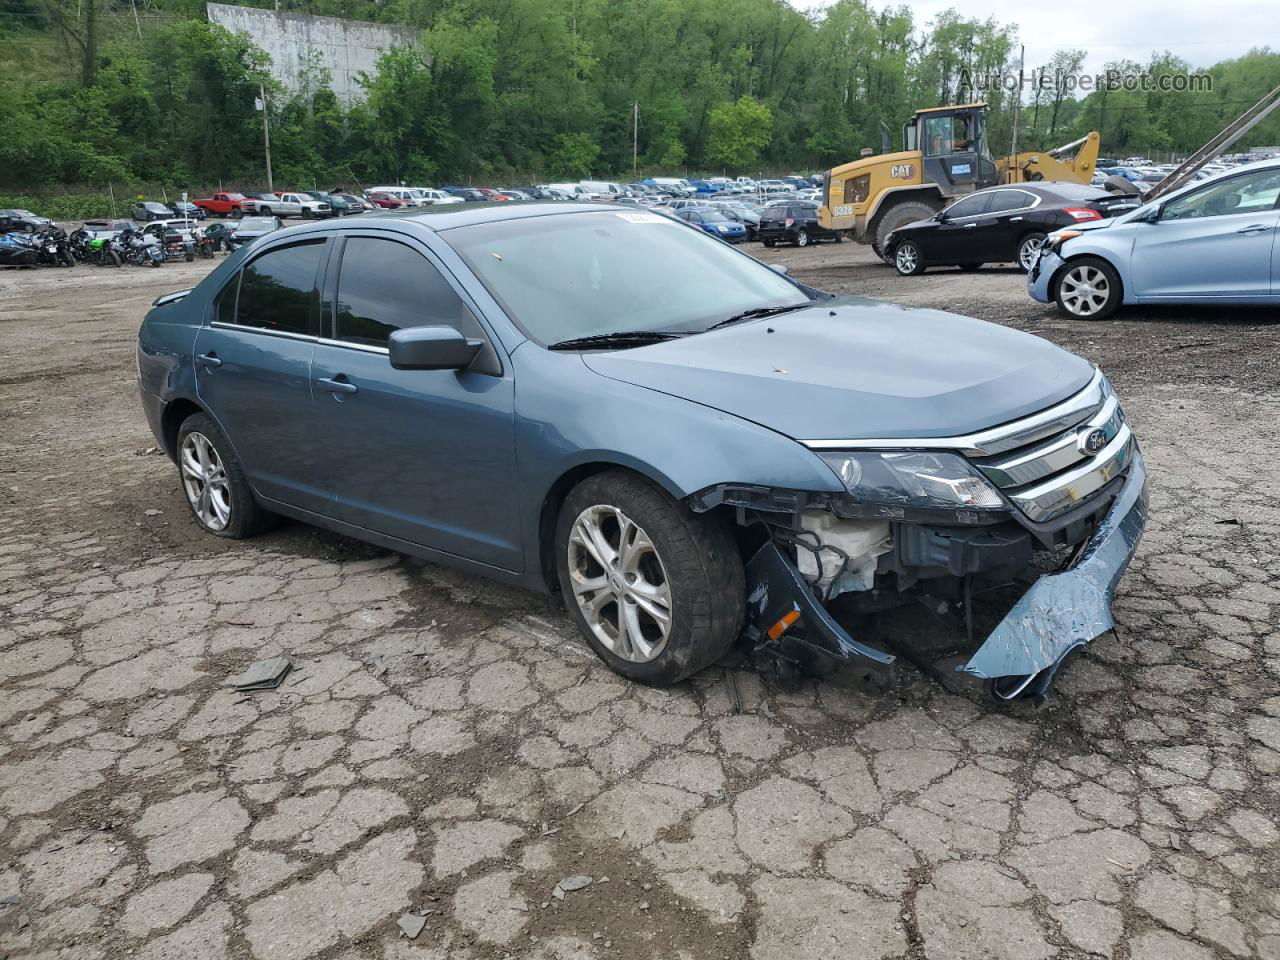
(1056, 164)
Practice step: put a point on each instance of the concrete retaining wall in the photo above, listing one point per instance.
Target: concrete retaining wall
(296, 42)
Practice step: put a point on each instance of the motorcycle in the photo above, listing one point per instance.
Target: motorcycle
(90, 248)
(139, 250)
(213, 238)
(52, 247)
(16, 250)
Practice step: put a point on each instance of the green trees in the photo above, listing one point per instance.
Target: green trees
(738, 132)
(504, 90)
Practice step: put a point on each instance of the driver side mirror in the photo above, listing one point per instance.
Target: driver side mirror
(940, 216)
(431, 348)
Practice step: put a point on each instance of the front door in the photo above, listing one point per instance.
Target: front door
(426, 456)
(1213, 242)
(253, 369)
(955, 239)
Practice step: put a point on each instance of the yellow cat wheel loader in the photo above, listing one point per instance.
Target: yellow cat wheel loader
(946, 156)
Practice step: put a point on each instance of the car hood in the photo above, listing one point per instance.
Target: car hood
(858, 369)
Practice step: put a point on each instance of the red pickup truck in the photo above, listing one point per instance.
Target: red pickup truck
(224, 204)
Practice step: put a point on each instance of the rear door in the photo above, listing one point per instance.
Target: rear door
(1003, 225)
(426, 456)
(253, 369)
(1216, 242)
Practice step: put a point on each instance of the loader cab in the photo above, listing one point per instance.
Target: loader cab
(953, 145)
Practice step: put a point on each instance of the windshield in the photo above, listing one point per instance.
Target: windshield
(257, 223)
(589, 274)
(713, 216)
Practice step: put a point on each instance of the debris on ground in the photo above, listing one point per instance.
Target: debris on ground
(153, 512)
(262, 675)
(570, 884)
(411, 925)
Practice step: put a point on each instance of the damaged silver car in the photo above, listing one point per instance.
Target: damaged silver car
(692, 448)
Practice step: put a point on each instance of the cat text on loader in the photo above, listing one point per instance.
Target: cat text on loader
(945, 156)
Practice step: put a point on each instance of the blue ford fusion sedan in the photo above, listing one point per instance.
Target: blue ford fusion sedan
(690, 447)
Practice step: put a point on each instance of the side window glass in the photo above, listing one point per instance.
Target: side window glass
(224, 309)
(1253, 193)
(277, 290)
(384, 286)
(1002, 200)
(969, 206)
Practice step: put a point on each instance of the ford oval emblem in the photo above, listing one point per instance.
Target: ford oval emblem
(1093, 441)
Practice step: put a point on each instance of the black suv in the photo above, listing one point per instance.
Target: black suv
(793, 221)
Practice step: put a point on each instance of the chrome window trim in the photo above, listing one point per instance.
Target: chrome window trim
(222, 325)
(365, 347)
(995, 440)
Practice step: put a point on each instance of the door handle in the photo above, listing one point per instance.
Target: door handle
(210, 360)
(1015, 219)
(1255, 228)
(970, 226)
(337, 386)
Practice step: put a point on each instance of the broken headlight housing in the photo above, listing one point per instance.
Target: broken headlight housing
(909, 485)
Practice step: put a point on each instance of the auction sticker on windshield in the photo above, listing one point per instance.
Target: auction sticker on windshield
(642, 217)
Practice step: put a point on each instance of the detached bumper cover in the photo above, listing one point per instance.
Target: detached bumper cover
(1064, 610)
(1041, 273)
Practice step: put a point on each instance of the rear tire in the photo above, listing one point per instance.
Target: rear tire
(1028, 249)
(769, 243)
(1087, 288)
(802, 238)
(229, 509)
(628, 537)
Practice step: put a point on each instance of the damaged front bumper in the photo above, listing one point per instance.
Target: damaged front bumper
(1060, 612)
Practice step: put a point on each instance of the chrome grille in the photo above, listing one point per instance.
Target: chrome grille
(1053, 473)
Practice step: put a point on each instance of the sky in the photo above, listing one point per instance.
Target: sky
(1201, 33)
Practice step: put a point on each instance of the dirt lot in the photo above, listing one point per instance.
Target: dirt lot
(446, 747)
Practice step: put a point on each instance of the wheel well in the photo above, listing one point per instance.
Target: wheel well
(175, 412)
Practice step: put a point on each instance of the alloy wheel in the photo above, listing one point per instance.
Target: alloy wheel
(905, 258)
(204, 480)
(1085, 290)
(619, 583)
(1028, 252)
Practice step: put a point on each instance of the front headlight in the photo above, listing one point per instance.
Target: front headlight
(890, 482)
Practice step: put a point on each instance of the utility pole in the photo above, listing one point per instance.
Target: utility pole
(266, 134)
(136, 23)
(635, 137)
(1017, 103)
(90, 42)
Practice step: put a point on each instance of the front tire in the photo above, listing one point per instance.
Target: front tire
(1087, 288)
(214, 483)
(907, 259)
(899, 215)
(657, 590)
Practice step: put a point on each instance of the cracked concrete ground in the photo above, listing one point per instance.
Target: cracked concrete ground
(446, 747)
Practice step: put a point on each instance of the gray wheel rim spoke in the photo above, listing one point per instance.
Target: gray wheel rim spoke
(619, 583)
(204, 481)
(1085, 290)
(907, 259)
(1029, 250)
